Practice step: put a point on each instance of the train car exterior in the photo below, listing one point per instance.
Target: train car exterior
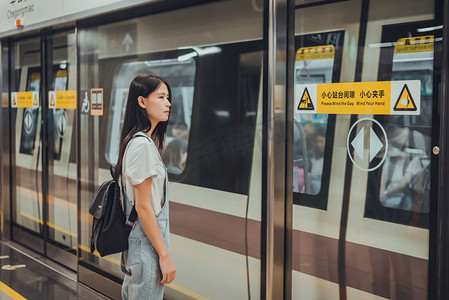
(306, 147)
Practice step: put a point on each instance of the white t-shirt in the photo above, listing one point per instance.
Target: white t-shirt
(141, 161)
(397, 175)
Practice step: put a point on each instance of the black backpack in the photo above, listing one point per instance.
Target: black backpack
(110, 229)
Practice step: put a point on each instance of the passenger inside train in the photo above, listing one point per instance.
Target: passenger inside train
(405, 163)
(309, 146)
(175, 155)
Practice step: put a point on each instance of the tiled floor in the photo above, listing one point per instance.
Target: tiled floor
(26, 275)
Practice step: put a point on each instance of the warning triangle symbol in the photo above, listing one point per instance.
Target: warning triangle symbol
(306, 102)
(14, 100)
(35, 100)
(52, 101)
(405, 101)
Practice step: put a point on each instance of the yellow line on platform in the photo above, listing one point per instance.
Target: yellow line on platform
(112, 260)
(173, 286)
(24, 214)
(10, 292)
(63, 230)
(187, 292)
(56, 227)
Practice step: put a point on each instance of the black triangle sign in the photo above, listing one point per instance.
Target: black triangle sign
(405, 101)
(306, 102)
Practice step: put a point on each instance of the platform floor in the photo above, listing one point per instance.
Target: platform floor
(27, 275)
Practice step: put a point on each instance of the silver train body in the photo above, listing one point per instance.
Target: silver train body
(212, 55)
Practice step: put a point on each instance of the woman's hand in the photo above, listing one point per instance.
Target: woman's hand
(168, 269)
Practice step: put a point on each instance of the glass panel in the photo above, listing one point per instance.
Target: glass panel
(326, 52)
(26, 144)
(212, 57)
(180, 72)
(363, 234)
(62, 157)
(318, 60)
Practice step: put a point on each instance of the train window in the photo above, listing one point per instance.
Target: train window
(201, 133)
(180, 73)
(30, 115)
(318, 60)
(60, 83)
(399, 192)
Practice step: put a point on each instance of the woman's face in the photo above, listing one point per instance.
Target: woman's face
(157, 105)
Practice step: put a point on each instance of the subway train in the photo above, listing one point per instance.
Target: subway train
(360, 228)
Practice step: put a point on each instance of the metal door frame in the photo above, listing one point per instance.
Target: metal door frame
(442, 217)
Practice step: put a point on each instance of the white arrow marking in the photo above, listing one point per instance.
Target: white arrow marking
(28, 122)
(127, 41)
(12, 268)
(358, 142)
(374, 144)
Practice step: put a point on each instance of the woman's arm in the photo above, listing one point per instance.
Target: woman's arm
(145, 211)
(398, 188)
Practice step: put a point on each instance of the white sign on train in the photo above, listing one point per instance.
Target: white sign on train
(372, 98)
(50, 12)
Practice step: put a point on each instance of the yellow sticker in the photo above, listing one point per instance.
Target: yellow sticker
(362, 98)
(414, 44)
(35, 76)
(61, 74)
(62, 99)
(373, 98)
(317, 52)
(25, 99)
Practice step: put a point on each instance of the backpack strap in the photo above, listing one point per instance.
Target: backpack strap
(131, 220)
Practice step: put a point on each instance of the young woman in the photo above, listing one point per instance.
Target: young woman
(146, 264)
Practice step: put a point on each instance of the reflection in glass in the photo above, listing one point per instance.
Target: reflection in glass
(313, 65)
(310, 140)
(181, 76)
(405, 179)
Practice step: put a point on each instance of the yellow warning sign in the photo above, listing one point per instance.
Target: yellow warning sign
(24, 99)
(61, 74)
(405, 101)
(35, 76)
(305, 103)
(354, 98)
(63, 99)
(317, 52)
(372, 98)
(414, 44)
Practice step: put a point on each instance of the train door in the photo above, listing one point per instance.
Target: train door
(43, 102)
(363, 179)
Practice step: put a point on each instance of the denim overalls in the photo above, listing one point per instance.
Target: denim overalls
(140, 263)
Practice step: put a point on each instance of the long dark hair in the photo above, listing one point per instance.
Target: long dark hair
(136, 118)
